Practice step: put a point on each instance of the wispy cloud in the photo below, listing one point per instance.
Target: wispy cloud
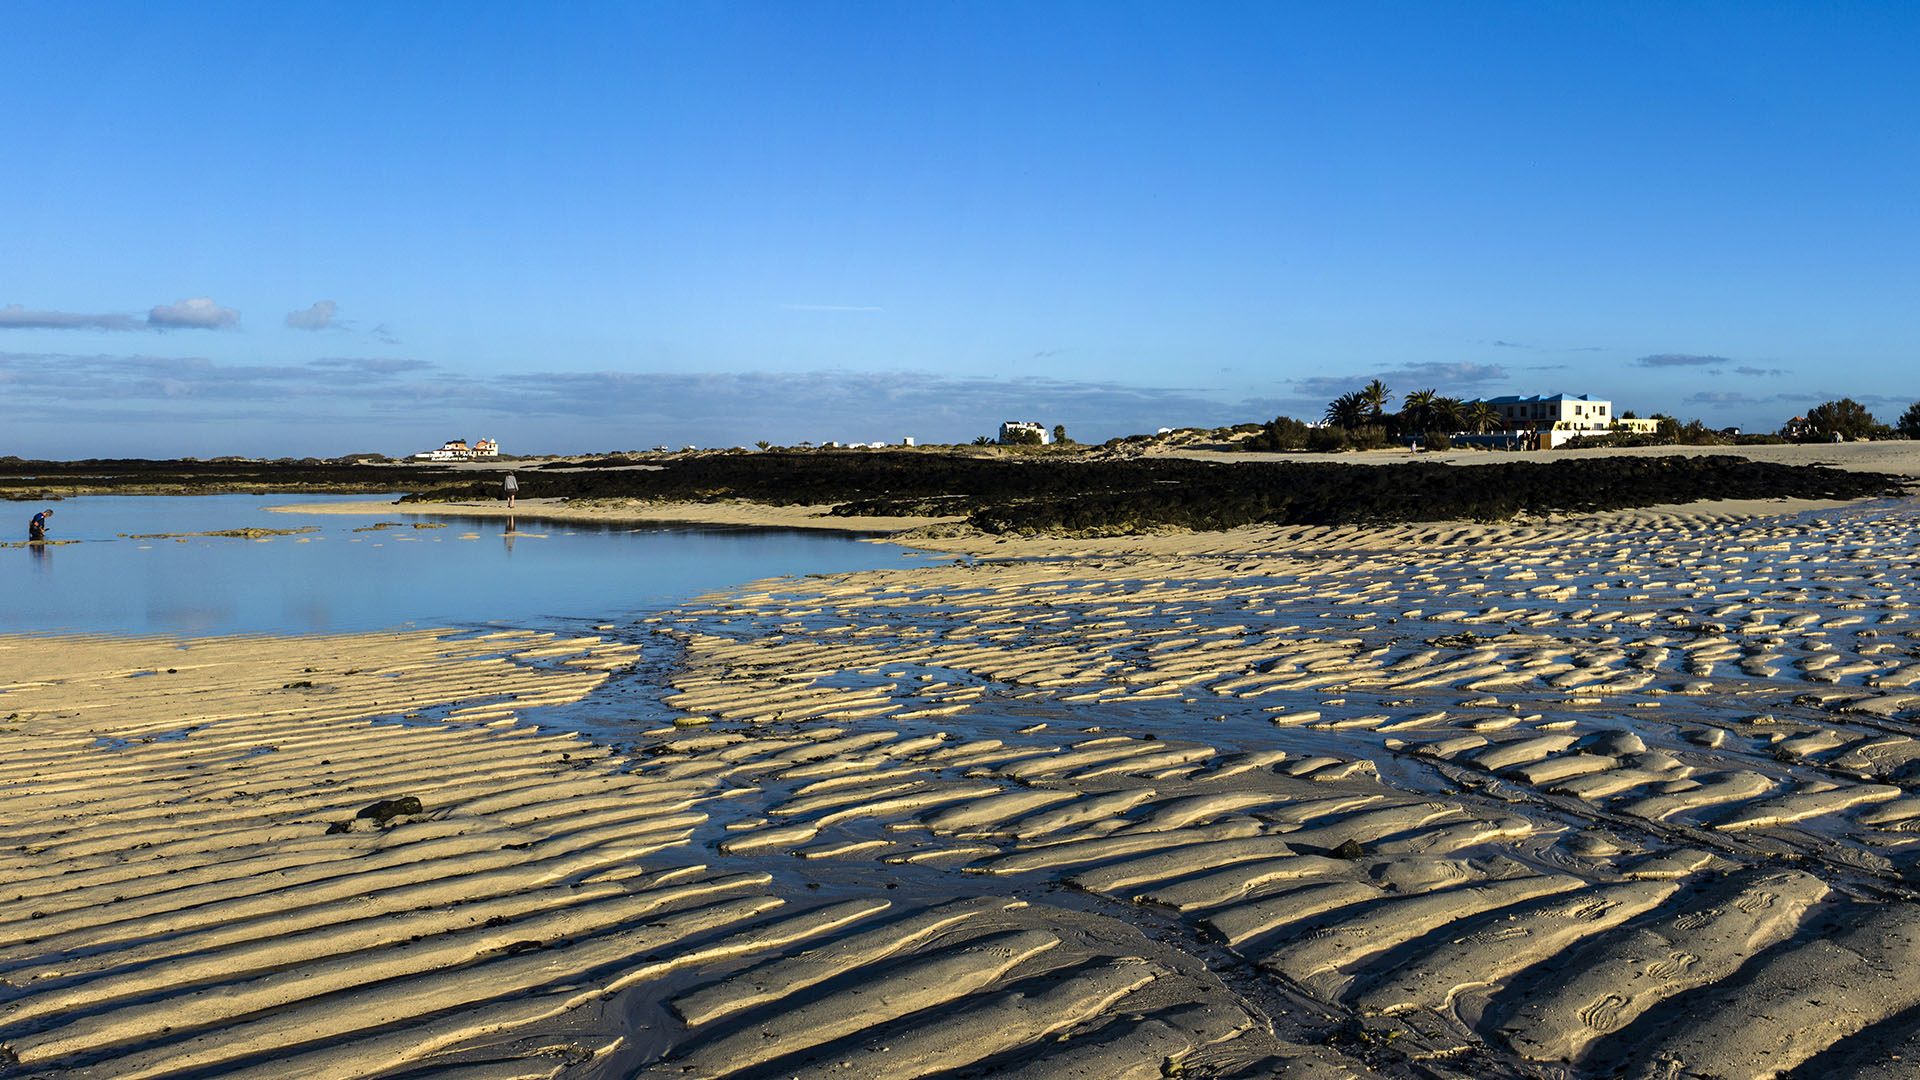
(323, 315)
(1721, 365)
(1660, 360)
(1451, 374)
(63, 383)
(838, 400)
(829, 307)
(1795, 401)
(17, 317)
(370, 365)
(1727, 398)
(363, 396)
(1500, 343)
(199, 313)
(1449, 379)
(1327, 386)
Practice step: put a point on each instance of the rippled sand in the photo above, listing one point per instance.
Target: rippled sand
(1623, 796)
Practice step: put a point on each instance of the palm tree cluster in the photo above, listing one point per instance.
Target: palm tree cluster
(1423, 413)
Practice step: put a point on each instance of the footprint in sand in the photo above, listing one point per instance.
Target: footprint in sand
(1694, 920)
(1600, 1015)
(1672, 968)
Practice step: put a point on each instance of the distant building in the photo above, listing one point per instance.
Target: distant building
(458, 450)
(908, 441)
(1797, 428)
(1554, 418)
(1023, 431)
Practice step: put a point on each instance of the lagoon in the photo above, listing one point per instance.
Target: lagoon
(119, 572)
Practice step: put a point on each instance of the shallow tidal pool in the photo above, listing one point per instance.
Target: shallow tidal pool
(132, 564)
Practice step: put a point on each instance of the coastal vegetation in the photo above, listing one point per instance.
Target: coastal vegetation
(1360, 420)
(1909, 424)
(1845, 418)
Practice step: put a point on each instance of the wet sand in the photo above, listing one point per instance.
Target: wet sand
(727, 514)
(1628, 795)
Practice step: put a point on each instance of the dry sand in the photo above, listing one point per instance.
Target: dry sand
(1631, 795)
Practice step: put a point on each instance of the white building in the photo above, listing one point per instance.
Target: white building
(1012, 431)
(458, 450)
(1557, 417)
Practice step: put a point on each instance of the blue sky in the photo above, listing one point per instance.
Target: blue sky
(292, 229)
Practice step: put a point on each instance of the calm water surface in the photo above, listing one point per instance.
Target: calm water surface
(349, 576)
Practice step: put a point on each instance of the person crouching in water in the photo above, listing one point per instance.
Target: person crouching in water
(37, 528)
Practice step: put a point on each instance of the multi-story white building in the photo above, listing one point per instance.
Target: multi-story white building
(1557, 417)
(1547, 411)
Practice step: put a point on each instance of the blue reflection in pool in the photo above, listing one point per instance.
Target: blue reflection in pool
(348, 575)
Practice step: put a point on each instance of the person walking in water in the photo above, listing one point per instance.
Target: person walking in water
(512, 488)
(37, 528)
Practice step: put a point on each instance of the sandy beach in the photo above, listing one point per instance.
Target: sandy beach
(1631, 794)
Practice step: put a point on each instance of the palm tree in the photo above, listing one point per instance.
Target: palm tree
(1374, 395)
(1347, 411)
(1416, 411)
(1482, 417)
(1449, 414)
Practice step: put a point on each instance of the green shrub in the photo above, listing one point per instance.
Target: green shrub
(1329, 440)
(1280, 433)
(1372, 437)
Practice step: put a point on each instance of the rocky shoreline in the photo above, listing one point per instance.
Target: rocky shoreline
(1096, 497)
(1088, 495)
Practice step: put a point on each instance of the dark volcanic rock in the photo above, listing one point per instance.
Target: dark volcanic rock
(1054, 495)
(36, 480)
(387, 809)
